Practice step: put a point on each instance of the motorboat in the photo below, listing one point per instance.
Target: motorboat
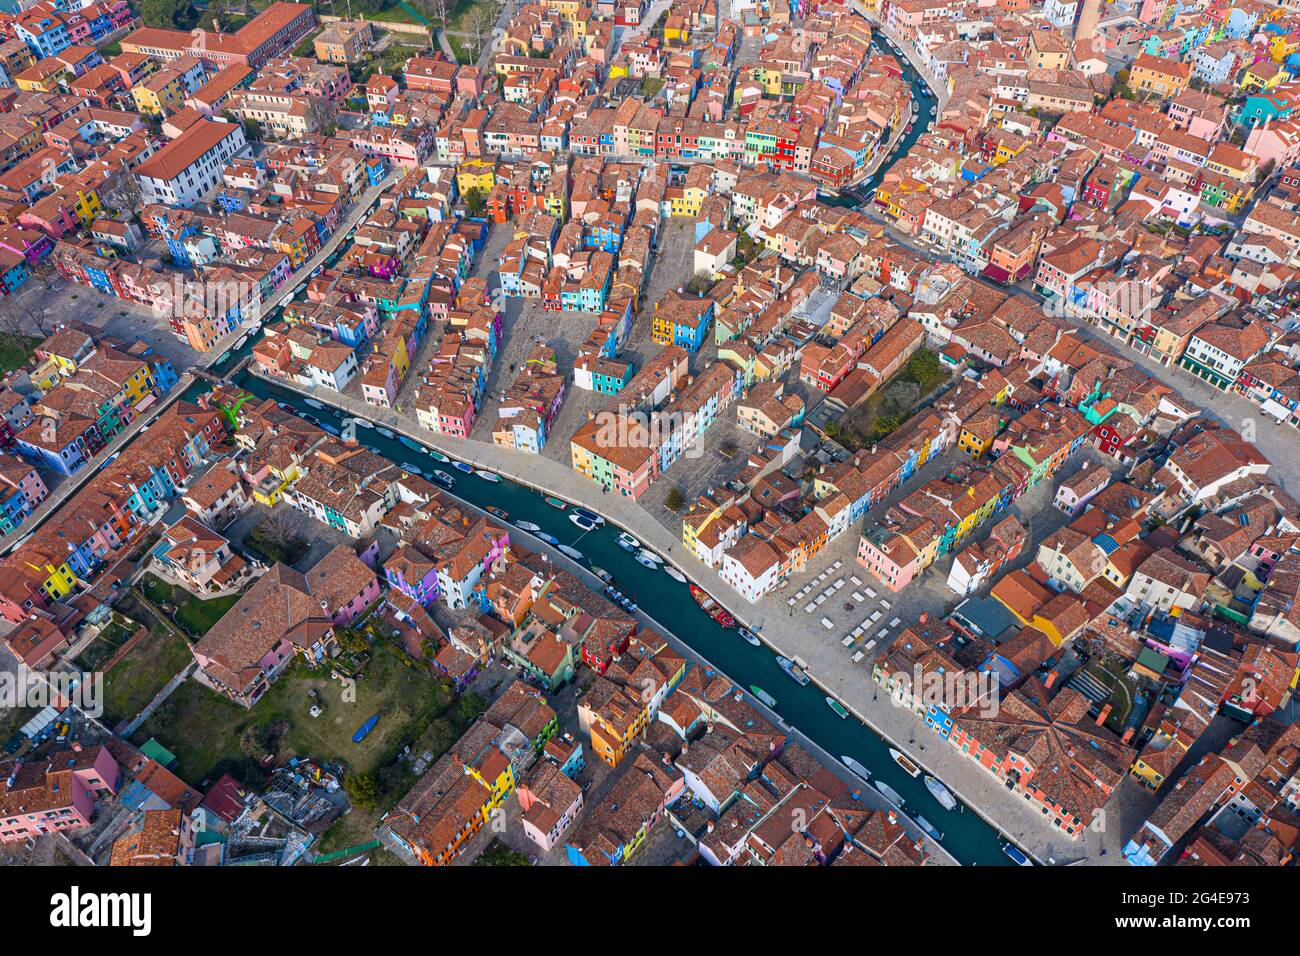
(647, 553)
(602, 574)
(749, 636)
(763, 695)
(590, 515)
(707, 604)
(558, 503)
(438, 456)
(387, 433)
(900, 758)
(362, 422)
(646, 562)
(928, 827)
(581, 521)
(673, 573)
(627, 542)
(889, 793)
(313, 403)
(793, 671)
(412, 469)
(410, 443)
(311, 419)
(550, 539)
(1015, 854)
(463, 467)
(499, 512)
(239, 342)
(486, 475)
(442, 478)
(940, 793)
(840, 710)
(856, 767)
(570, 552)
(286, 407)
(527, 526)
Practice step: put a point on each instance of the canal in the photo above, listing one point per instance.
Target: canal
(968, 837)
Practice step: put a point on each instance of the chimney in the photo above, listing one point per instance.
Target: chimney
(1105, 712)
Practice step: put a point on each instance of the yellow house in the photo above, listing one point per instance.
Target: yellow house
(567, 9)
(1263, 76)
(159, 94)
(688, 202)
(477, 174)
(677, 27)
(1281, 47)
(1158, 76)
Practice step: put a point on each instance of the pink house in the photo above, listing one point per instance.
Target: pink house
(549, 803)
(345, 585)
(55, 794)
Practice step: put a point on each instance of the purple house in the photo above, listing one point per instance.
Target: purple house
(410, 572)
(345, 585)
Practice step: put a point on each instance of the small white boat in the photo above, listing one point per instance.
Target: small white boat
(673, 573)
(581, 522)
(900, 758)
(527, 526)
(940, 793)
(1015, 854)
(384, 431)
(313, 403)
(649, 556)
(856, 767)
(444, 479)
(889, 793)
(573, 553)
(491, 476)
(412, 469)
(239, 342)
(749, 636)
(646, 562)
(590, 515)
(463, 467)
(627, 542)
(928, 827)
(363, 423)
(550, 539)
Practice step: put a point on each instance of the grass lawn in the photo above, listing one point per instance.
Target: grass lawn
(198, 617)
(145, 670)
(15, 350)
(203, 728)
(195, 615)
(893, 404)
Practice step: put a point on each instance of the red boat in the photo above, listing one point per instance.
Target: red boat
(711, 607)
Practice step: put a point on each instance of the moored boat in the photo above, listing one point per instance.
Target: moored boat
(550, 539)
(793, 671)
(763, 695)
(590, 515)
(928, 827)
(437, 455)
(650, 555)
(527, 526)
(673, 573)
(313, 403)
(646, 562)
(573, 553)
(749, 636)
(710, 607)
(463, 467)
(499, 512)
(940, 793)
(410, 443)
(491, 476)
(412, 469)
(602, 574)
(581, 522)
(363, 422)
(889, 793)
(627, 542)
(442, 478)
(387, 433)
(836, 706)
(900, 758)
(856, 767)
(555, 502)
(1015, 854)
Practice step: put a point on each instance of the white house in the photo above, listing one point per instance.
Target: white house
(189, 167)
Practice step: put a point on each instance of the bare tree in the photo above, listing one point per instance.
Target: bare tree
(22, 318)
(482, 18)
(121, 191)
(321, 111)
